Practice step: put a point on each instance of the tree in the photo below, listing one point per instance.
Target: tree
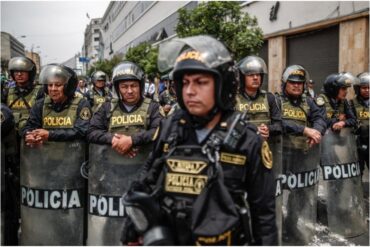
(145, 56)
(105, 65)
(225, 21)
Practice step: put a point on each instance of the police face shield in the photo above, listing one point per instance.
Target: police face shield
(99, 76)
(346, 79)
(20, 64)
(212, 52)
(252, 65)
(295, 73)
(54, 74)
(127, 71)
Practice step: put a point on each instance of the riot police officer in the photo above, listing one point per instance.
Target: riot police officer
(343, 194)
(303, 127)
(20, 99)
(260, 105)
(360, 106)
(50, 165)
(99, 93)
(120, 136)
(338, 111)
(206, 157)
(167, 99)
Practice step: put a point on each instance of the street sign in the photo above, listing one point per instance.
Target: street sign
(84, 59)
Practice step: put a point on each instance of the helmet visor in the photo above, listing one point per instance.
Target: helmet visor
(20, 64)
(212, 52)
(127, 71)
(252, 65)
(54, 74)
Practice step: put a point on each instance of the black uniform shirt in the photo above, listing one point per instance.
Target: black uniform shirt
(77, 132)
(7, 120)
(259, 182)
(315, 117)
(99, 125)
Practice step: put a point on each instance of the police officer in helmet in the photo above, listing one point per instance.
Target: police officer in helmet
(338, 111)
(99, 93)
(360, 105)
(206, 85)
(128, 82)
(60, 83)
(260, 105)
(311, 123)
(168, 99)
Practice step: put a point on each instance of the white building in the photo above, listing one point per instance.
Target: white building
(92, 43)
(127, 24)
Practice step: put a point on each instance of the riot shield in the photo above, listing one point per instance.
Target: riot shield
(342, 188)
(52, 194)
(275, 143)
(110, 174)
(299, 181)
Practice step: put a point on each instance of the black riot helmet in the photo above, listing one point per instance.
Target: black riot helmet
(200, 54)
(52, 72)
(294, 73)
(98, 76)
(336, 81)
(251, 65)
(125, 71)
(363, 80)
(22, 64)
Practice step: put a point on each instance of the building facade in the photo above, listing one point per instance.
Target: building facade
(93, 47)
(127, 24)
(10, 47)
(35, 57)
(323, 36)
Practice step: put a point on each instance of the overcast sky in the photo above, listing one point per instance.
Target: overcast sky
(57, 27)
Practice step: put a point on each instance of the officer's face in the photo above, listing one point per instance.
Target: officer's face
(21, 78)
(130, 92)
(252, 82)
(56, 90)
(364, 92)
(342, 93)
(294, 89)
(198, 93)
(100, 83)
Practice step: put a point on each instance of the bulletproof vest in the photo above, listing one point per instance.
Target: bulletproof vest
(98, 100)
(21, 106)
(298, 115)
(362, 112)
(169, 98)
(59, 120)
(258, 110)
(330, 112)
(129, 123)
(186, 168)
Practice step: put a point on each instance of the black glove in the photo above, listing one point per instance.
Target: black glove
(140, 187)
(129, 235)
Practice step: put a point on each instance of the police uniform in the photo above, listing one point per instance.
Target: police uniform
(65, 122)
(300, 113)
(140, 123)
(334, 109)
(246, 169)
(167, 98)
(97, 98)
(362, 113)
(261, 109)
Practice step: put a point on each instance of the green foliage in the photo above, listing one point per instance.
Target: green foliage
(105, 65)
(145, 56)
(225, 21)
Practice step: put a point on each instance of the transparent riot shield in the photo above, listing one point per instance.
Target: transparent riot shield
(275, 143)
(110, 175)
(52, 194)
(299, 181)
(342, 188)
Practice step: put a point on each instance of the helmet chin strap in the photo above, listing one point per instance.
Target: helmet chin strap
(201, 122)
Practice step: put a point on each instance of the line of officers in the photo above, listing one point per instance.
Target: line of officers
(220, 161)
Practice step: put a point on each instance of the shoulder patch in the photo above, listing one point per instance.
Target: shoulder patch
(320, 101)
(155, 136)
(85, 113)
(266, 155)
